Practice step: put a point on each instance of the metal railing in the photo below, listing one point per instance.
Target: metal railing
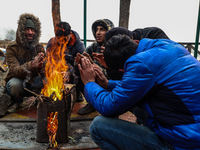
(191, 48)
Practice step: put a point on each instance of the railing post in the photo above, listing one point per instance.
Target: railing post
(85, 22)
(197, 34)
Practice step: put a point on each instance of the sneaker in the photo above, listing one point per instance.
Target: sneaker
(86, 109)
(13, 107)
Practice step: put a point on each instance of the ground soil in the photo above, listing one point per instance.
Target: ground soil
(22, 135)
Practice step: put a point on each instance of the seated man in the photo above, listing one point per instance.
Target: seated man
(99, 29)
(24, 58)
(161, 76)
(74, 46)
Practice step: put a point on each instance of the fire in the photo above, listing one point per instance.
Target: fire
(54, 84)
(55, 65)
(52, 126)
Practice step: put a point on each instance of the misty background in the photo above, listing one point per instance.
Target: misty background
(178, 18)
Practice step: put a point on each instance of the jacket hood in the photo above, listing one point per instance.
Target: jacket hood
(106, 23)
(74, 39)
(20, 35)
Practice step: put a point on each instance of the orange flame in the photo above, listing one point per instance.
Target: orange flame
(52, 126)
(54, 84)
(55, 65)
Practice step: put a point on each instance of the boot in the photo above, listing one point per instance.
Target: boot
(13, 107)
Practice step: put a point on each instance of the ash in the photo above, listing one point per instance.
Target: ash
(22, 135)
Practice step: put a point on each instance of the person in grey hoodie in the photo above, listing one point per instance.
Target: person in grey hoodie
(99, 29)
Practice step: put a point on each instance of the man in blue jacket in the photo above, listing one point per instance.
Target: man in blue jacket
(159, 75)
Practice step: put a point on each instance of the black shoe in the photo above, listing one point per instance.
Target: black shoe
(86, 109)
(79, 98)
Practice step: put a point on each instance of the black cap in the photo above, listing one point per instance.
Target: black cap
(29, 23)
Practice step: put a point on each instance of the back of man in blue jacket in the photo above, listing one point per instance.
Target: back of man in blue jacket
(163, 78)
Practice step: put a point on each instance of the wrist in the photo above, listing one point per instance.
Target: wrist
(88, 82)
(31, 65)
(105, 85)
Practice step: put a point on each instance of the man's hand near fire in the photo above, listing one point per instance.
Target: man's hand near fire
(66, 76)
(37, 62)
(100, 58)
(101, 78)
(86, 70)
(79, 56)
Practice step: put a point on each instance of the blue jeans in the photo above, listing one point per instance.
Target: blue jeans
(116, 134)
(15, 88)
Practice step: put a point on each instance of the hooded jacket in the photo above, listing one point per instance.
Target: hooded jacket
(20, 53)
(164, 77)
(74, 46)
(95, 46)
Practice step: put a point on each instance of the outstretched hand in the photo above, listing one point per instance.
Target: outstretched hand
(79, 56)
(66, 76)
(100, 58)
(37, 62)
(86, 71)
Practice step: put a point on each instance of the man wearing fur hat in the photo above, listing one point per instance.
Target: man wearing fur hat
(99, 29)
(24, 58)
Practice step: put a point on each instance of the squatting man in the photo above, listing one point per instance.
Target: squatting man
(162, 78)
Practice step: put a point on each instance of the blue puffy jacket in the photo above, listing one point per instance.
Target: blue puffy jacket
(165, 78)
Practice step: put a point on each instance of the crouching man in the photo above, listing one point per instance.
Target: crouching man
(163, 78)
(24, 58)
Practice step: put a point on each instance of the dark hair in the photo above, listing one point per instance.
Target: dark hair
(63, 29)
(118, 49)
(116, 31)
(149, 32)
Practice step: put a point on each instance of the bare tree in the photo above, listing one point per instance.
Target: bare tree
(10, 34)
(56, 12)
(124, 13)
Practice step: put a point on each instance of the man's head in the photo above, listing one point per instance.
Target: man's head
(118, 49)
(29, 30)
(116, 31)
(100, 27)
(63, 29)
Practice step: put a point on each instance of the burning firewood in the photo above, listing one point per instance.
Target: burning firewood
(52, 126)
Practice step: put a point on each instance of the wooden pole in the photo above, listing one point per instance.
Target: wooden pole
(56, 12)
